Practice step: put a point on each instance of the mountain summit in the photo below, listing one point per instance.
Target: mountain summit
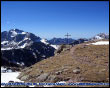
(16, 38)
(23, 48)
(100, 36)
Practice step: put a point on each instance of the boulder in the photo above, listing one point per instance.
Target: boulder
(58, 72)
(62, 48)
(24, 78)
(42, 77)
(76, 71)
(51, 78)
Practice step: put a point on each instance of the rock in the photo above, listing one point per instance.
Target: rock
(29, 70)
(41, 71)
(11, 82)
(70, 81)
(57, 79)
(51, 78)
(42, 77)
(76, 71)
(59, 50)
(58, 72)
(102, 70)
(108, 79)
(4, 71)
(78, 78)
(67, 79)
(65, 70)
(65, 49)
(21, 75)
(24, 78)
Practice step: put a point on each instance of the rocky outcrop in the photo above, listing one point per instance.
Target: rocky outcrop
(42, 77)
(63, 48)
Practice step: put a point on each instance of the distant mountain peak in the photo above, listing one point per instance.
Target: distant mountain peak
(16, 38)
(17, 30)
(18, 46)
(100, 36)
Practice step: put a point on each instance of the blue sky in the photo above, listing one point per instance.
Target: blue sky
(49, 19)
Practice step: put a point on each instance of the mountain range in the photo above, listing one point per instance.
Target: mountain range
(59, 41)
(28, 58)
(19, 48)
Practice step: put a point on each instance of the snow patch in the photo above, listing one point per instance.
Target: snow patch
(61, 82)
(6, 48)
(98, 37)
(23, 33)
(14, 33)
(55, 46)
(44, 41)
(9, 76)
(23, 46)
(100, 43)
(24, 40)
(4, 42)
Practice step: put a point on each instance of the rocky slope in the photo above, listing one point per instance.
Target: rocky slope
(80, 63)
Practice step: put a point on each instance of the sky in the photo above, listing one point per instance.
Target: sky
(48, 19)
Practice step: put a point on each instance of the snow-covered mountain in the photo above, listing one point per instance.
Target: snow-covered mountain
(100, 36)
(20, 48)
(15, 38)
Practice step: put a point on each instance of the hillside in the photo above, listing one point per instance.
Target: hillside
(81, 63)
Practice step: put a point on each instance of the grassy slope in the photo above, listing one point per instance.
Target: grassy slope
(92, 60)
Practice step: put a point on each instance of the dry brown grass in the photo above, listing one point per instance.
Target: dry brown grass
(92, 60)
